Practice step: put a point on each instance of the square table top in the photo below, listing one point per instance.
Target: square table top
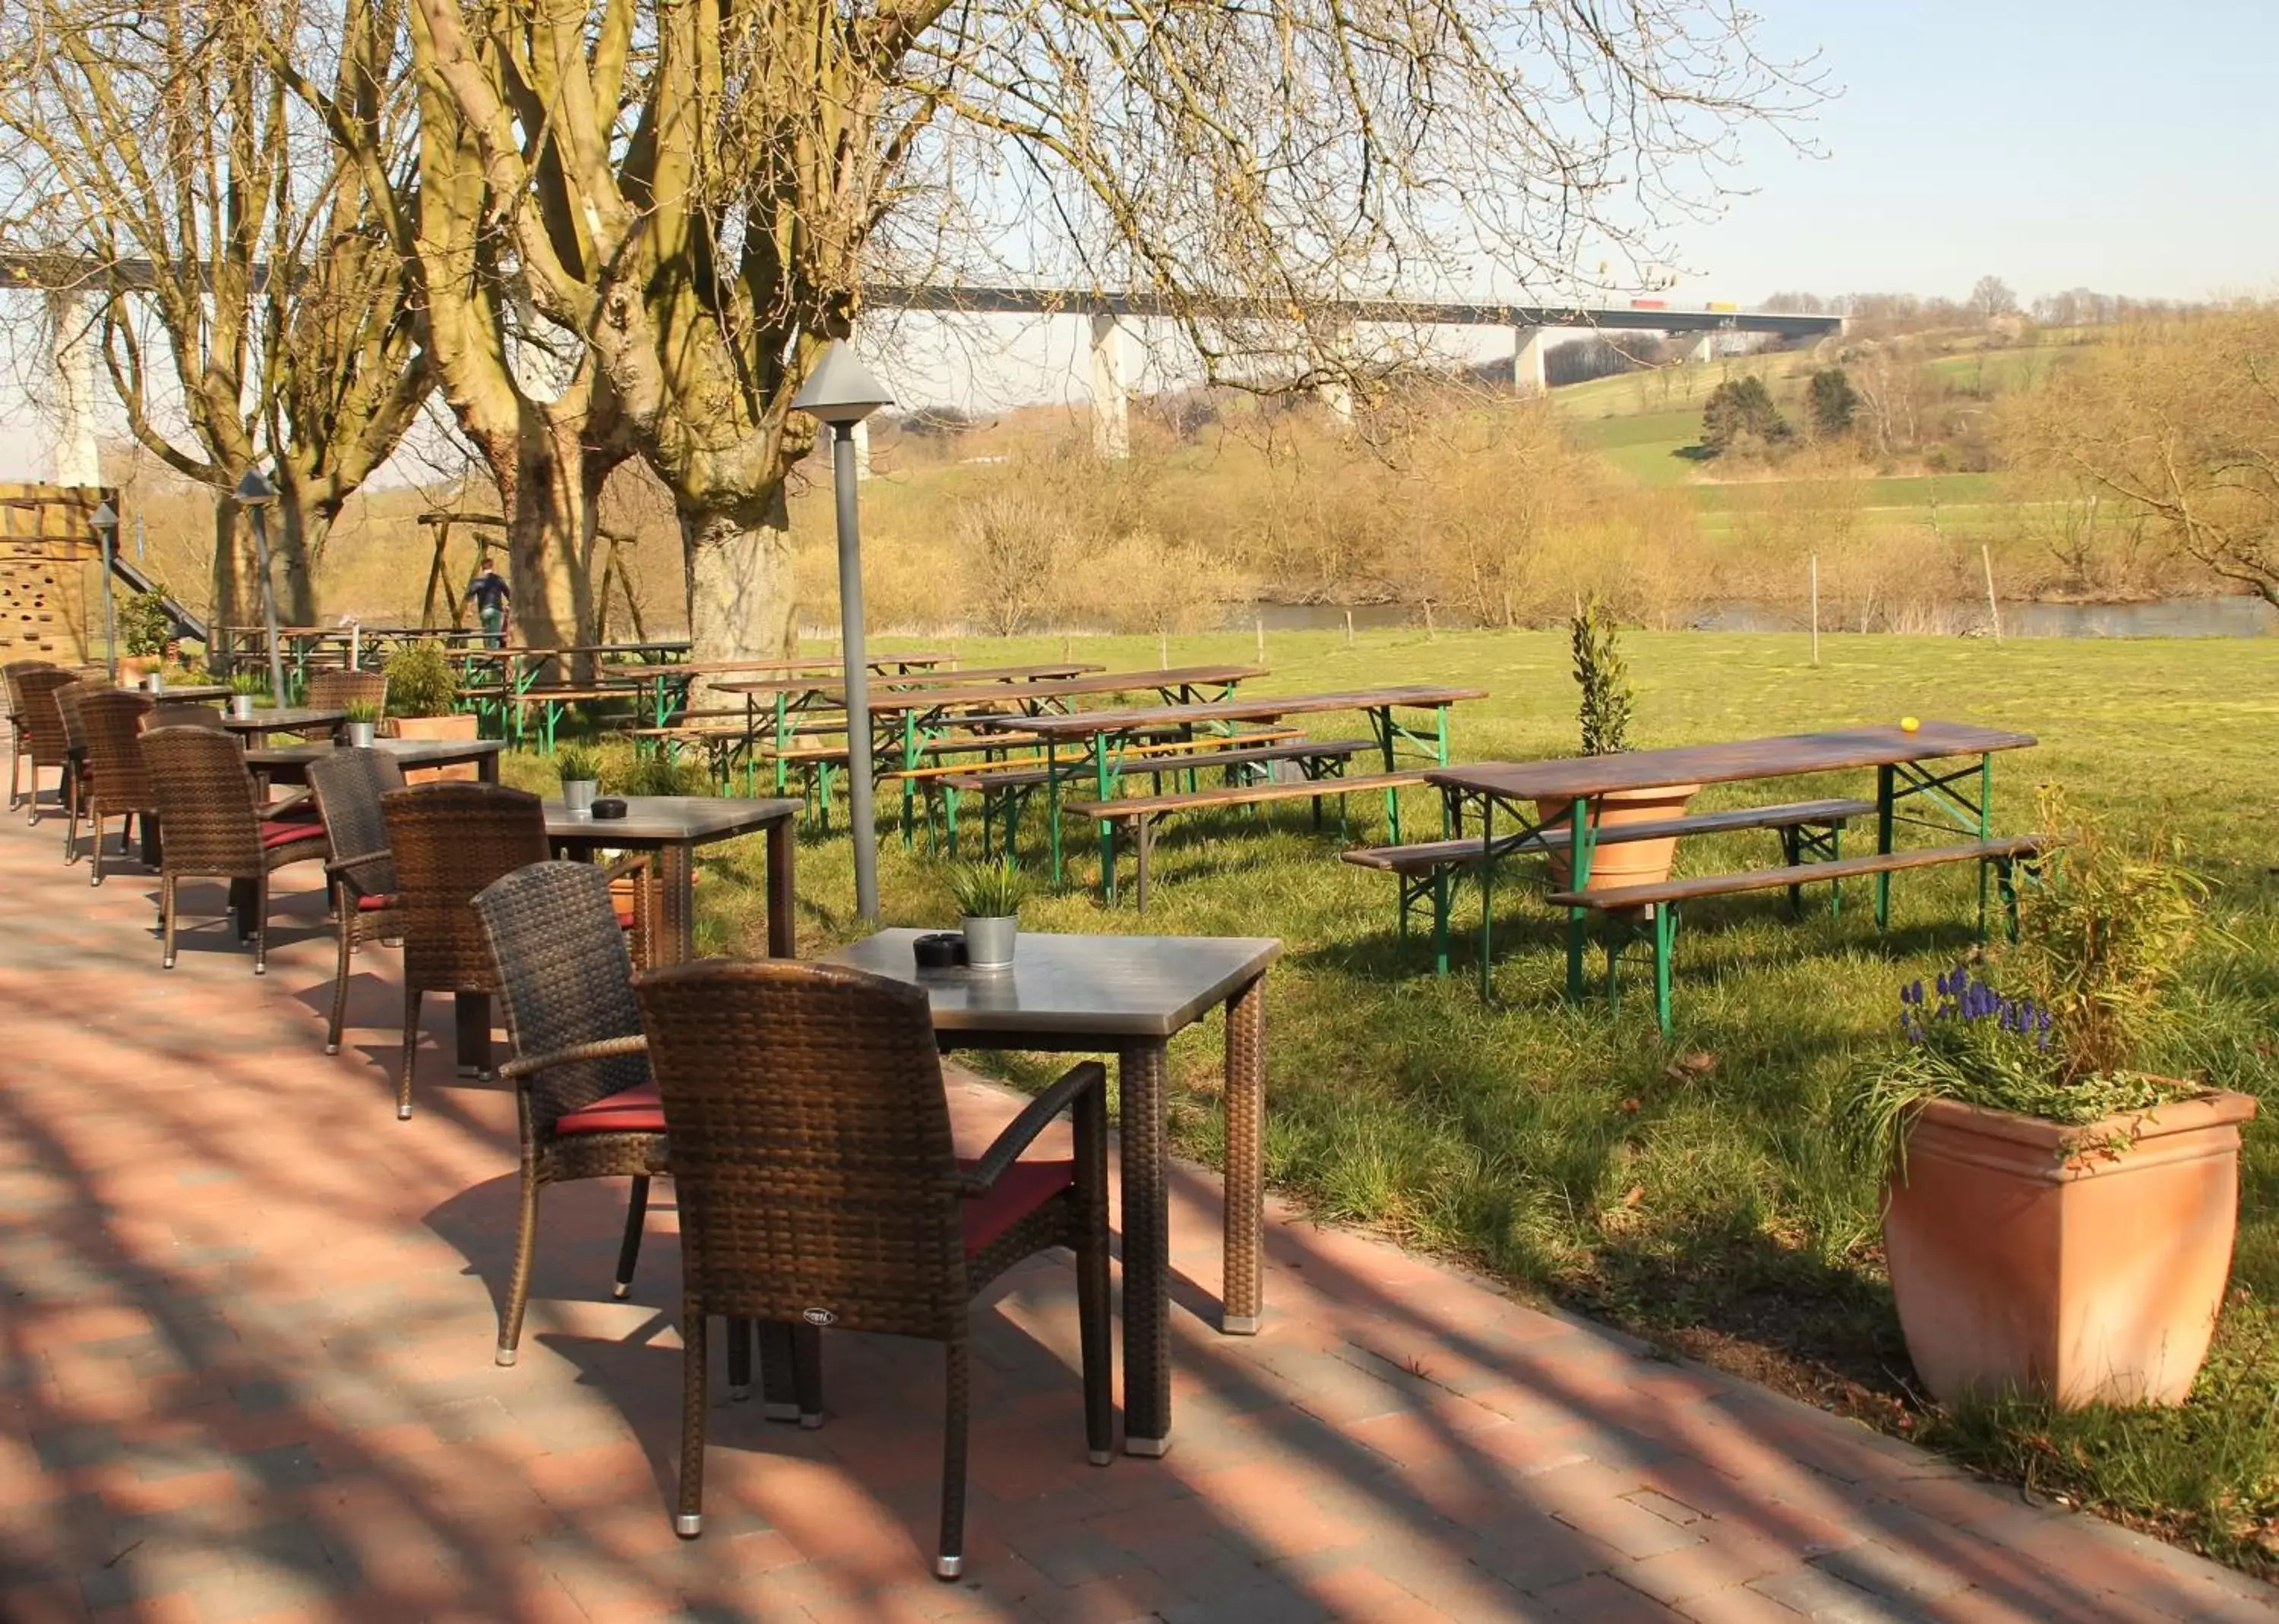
(1104, 986)
(668, 820)
(1567, 777)
(188, 693)
(409, 752)
(284, 719)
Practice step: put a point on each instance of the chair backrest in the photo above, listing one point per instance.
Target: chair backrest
(112, 723)
(182, 713)
(565, 978)
(12, 674)
(812, 1152)
(67, 703)
(347, 785)
(329, 690)
(449, 841)
(205, 802)
(42, 717)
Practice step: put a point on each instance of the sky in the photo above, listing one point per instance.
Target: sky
(2126, 149)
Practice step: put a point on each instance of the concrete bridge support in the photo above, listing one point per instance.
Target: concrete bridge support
(1704, 351)
(1527, 347)
(77, 459)
(1111, 387)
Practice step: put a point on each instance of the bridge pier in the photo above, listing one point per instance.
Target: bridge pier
(1704, 351)
(1527, 347)
(1111, 387)
(79, 460)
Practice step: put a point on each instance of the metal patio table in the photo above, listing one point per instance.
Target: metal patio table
(1909, 766)
(289, 763)
(285, 719)
(1128, 996)
(673, 826)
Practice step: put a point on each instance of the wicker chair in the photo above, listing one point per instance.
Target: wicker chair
(347, 785)
(214, 827)
(43, 731)
(812, 1159)
(329, 690)
(583, 1097)
(182, 713)
(450, 841)
(117, 779)
(75, 786)
(20, 739)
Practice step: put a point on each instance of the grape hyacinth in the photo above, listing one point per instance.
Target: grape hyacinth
(1963, 998)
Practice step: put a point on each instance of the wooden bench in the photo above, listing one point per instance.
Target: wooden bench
(1427, 870)
(1652, 910)
(1140, 813)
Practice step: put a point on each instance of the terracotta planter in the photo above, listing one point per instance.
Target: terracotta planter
(2026, 1256)
(1624, 862)
(466, 725)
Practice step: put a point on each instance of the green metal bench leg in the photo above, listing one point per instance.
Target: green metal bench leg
(1665, 938)
(1443, 883)
(1144, 828)
(1886, 787)
(1790, 855)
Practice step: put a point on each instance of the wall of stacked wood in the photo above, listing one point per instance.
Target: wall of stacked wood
(50, 572)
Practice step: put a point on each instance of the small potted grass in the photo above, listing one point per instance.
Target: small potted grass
(246, 689)
(989, 897)
(359, 720)
(580, 766)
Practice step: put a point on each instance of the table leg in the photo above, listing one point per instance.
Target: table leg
(1584, 829)
(1142, 1070)
(783, 893)
(470, 1013)
(1886, 800)
(1244, 1291)
(1487, 896)
(677, 932)
(486, 766)
(153, 839)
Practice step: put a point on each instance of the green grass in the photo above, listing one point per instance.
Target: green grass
(1700, 1204)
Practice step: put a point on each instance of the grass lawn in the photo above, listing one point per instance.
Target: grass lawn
(1690, 1192)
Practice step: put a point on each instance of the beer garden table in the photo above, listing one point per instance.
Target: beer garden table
(1909, 766)
(669, 683)
(1103, 732)
(1129, 996)
(289, 763)
(673, 826)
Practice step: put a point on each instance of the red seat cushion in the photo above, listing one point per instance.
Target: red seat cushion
(375, 905)
(285, 830)
(1025, 1187)
(625, 912)
(633, 1110)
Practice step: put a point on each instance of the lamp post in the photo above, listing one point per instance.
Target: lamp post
(841, 393)
(106, 530)
(255, 494)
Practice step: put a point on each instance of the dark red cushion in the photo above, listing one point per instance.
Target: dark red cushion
(1025, 1187)
(375, 905)
(625, 912)
(285, 830)
(303, 812)
(633, 1110)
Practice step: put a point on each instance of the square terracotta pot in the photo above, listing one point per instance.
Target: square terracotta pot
(465, 724)
(2025, 1258)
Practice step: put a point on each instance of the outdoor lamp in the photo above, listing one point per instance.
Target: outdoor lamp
(255, 494)
(841, 393)
(106, 531)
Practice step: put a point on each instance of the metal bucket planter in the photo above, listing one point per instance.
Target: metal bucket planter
(359, 734)
(989, 942)
(577, 796)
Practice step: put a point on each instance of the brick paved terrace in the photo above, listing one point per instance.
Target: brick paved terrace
(246, 1332)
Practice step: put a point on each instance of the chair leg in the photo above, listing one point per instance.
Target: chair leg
(739, 1359)
(526, 1251)
(688, 1520)
(95, 867)
(166, 919)
(411, 1048)
(261, 923)
(629, 1252)
(957, 1384)
(345, 908)
(779, 1380)
(807, 1374)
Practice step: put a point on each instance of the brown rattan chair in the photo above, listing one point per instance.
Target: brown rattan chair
(450, 841)
(583, 1097)
(44, 730)
(182, 713)
(20, 739)
(212, 826)
(329, 690)
(812, 1157)
(347, 785)
(118, 778)
(67, 703)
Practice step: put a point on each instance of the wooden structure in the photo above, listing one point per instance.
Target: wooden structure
(441, 523)
(50, 572)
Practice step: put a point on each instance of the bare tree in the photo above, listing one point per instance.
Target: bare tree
(247, 304)
(1991, 299)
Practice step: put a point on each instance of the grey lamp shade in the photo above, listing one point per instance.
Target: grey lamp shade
(841, 388)
(103, 519)
(255, 490)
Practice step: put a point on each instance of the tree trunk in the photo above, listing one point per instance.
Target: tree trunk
(236, 585)
(540, 482)
(296, 541)
(741, 591)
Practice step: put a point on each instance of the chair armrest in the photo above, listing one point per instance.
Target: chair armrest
(632, 862)
(1022, 1131)
(606, 1048)
(341, 867)
(290, 803)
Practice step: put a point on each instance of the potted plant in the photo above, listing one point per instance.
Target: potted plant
(247, 689)
(989, 897)
(1595, 637)
(580, 766)
(144, 627)
(2058, 1219)
(359, 718)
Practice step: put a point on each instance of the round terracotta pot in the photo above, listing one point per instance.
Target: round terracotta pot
(1622, 863)
(2084, 1265)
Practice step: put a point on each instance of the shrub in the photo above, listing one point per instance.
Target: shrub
(420, 681)
(1740, 410)
(1605, 679)
(144, 625)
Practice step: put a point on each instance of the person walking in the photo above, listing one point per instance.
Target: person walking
(487, 591)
